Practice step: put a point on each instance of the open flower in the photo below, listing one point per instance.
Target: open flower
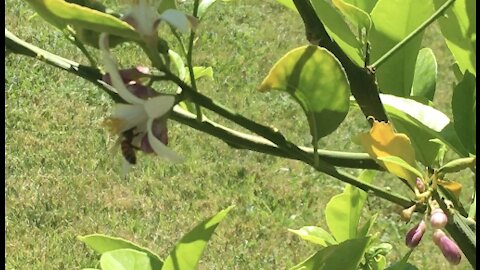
(139, 113)
(143, 16)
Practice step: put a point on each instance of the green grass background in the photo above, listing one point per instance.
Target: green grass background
(62, 179)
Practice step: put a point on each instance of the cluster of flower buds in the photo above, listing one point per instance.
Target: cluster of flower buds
(438, 220)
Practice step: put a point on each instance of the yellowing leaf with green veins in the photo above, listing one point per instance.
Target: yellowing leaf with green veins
(383, 141)
(316, 80)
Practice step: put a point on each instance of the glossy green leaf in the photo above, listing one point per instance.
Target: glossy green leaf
(464, 109)
(125, 259)
(60, 13)
(402, 163)
(365, 5)
(365, 229)
(422, 123)
(356, 15)
(346, 255)
(186, 253)
(460, 32)
(203, 72)
(378, 263)
(343, 211)
(289, 4)
(315, 235)
(393, 20)
(316, 80)
(339, 30)
(425, 78)
(103, 243)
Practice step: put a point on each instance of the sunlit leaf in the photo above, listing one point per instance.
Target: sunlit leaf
(365, 5)
(356, 15)
(402, 163)
(464, 109)
(339, 31)
(393, 20)
(186, 253)
(103, 243)
(125, 259)
(346, 255)
(317, 81)
(60, 13)
(315, 235)
(383, 141)
(460, 31)
(425, 78)
(343, 211)
(458, 165)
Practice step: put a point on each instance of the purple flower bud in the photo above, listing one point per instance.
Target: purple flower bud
(438, 219)
(448, 247)
(415, 235)
(420, 184)
(129, 75)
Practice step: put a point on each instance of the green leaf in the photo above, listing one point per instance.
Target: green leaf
(464, 109)
(460, 31)
(339, 31)
(103, 243)
(343, 210)
(425, 78)
(378, 263)
(200, 72)
(346, 255)
(365, 5)
(316, 80)
(187, 252)
(61, 13)
(315, 235)
(356, 15)
(393, 20)
(365, 229)
(458, 165)
(403, 264)
(125, 259)
(178, 64)
(289, 4)
(402, 163)
(422, 123)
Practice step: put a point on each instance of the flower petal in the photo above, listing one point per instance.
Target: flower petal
(111, 67)
(131, 116)
(158, 106)
(176, 19)
(159, 148)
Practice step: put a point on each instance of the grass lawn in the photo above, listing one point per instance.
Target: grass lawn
(62, 179)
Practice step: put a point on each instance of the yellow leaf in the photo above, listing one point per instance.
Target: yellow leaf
(383, 141)
(452, 186)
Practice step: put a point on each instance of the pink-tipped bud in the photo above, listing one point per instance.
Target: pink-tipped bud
(438, 219)
(415, 235)
(420, 184)
(129, 75)
(448, 247)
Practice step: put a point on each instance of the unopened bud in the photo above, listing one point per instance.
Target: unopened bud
(415, 235)
(407, 213)
(448, 247)
(420, 184)
(438, 219)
